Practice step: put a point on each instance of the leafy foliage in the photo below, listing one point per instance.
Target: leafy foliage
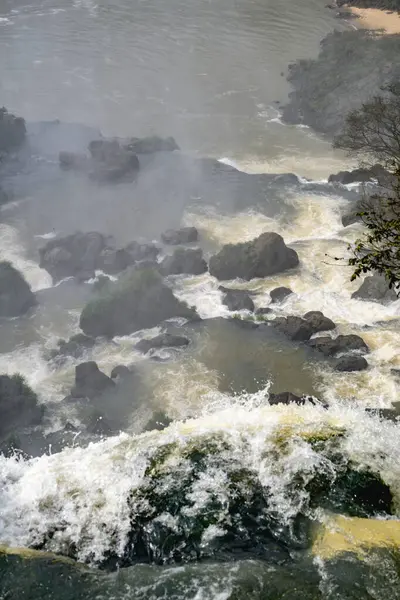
(372, 133)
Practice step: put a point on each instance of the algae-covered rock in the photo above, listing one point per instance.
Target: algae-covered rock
(139, 300)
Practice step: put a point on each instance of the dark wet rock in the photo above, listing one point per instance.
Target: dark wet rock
(158, 421)
(263, 256)
(139, 300)
(263, 310)
(237, 299)
(359, 175)
(151, 144)
(101, 283)
(375, 288)
(114, 261)
(184, 260)
(12, 131)
(295, 328)
(16, 297)
(121, 372)
(111, 161)
(185, 235)
(323, 101)
(350, 217)
(395, 372)
(19, 406)
(318, 321)
(76, 255)
(343, 343)
(279, 294)
(90, 381)
(351, 363)
(286, 398)
(164, 340)
(76, 346)
(142, 252)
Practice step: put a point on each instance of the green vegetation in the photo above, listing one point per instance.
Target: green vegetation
(372, 134)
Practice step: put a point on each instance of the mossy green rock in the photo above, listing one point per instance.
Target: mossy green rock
(139, 300)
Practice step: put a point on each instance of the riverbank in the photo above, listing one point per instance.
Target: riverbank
(377, 19)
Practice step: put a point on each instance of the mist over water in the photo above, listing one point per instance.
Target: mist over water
(209, 74)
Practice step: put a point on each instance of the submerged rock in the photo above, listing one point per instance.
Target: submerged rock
(151, 144)
(343, 343)
(121, 372)
(237, 299)
(139, 300)
(16, 297)
(90, 381)
(263, 256)
(12, 131)
(184, 261)
(19, 406)
(164, 340)
(185, 235)
(279, 294)
(376, 288)
(350, 363)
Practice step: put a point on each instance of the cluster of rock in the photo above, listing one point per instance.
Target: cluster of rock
(12, 131)
(112, 160)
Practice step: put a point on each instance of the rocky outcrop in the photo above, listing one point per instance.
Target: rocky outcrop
(237, 299)
(377, 172)
(318, 321)
(176, 237)
(139, 300)
(75, 347)
(295, 328)
(90, 382)
(111, 161)
(375, 288)
(184, 261)
(120, 372)
(343, 343)
(363, 62)
(279, 294)
(164, 340)
(16, 297)
(12, 131)
(301, 329)
(350, 363)
(80, 254)
(75, 255)
(263, 256)
(19, 406)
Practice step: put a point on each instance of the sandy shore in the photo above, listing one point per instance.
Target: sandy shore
(373, 18)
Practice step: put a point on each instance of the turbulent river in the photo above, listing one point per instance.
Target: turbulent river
(242, 486)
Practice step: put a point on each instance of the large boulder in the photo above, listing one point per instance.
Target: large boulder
(184, 260)
(343, 343)
(75, 255)
(139, 300)
(263, 256)
(16, 297)
(279, 294)
(90, 382)
(350, 363)
(164, 340)
(318, 321)
(237, 299)
(12, 130)
(19, 406)
(375, 288)
(185, 235)
(111, 161)
(295, 328)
